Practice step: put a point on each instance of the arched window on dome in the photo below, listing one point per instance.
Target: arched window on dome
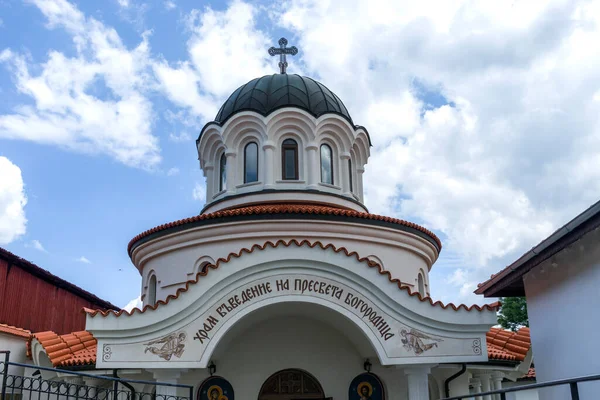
(350, 174)
(421, 284)
(251, 162)
(289, 160)
(223, 173)
(152, 291)
(326, 164)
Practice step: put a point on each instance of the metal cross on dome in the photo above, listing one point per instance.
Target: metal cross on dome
(283, 51)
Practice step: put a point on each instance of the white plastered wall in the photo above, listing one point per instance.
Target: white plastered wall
(175, 258)
(18, 351)
(121, 338)
(531, 394)
(562, 302)
(254, 354)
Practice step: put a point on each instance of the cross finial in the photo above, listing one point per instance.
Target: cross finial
(282, 51)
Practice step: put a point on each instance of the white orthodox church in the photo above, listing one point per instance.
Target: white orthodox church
(285, 287)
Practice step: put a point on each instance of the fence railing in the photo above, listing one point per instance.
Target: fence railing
(572, 383)
(72, 385)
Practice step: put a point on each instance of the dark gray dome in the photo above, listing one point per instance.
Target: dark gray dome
(271, 92)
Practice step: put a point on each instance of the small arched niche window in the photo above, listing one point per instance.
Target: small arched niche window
(289, 159)
(421, 284)
(251, 162)
(152, 290)
(223, 173)
(350, 174)
(326, 164)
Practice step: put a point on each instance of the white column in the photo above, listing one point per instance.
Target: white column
(418, 382)
(269, 165)
(359, 184)
(497, 383)
(231, 171)
(209, 170)
(345, 174)
(313, 165)
(166, 376)
(476, 383)
(485, 385)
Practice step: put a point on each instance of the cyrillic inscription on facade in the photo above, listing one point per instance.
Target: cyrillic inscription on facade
(311, 286)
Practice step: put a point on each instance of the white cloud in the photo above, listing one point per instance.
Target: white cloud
(173, 171)
(226, 49)
(182, 137)
(515, 156)
(137, 302)
(36, 245)
(133, 13)
(12, 202)
(169, 5)
(66, 112)
(84, 260)
(199, 192)
(512, 157)
(462, 280)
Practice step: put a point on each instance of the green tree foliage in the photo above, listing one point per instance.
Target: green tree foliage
(513, 313)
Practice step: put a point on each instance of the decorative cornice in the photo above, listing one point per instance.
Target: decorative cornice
(282, 211)
(372, 264)
(269, 191)
(81, 348)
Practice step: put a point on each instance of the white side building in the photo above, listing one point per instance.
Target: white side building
(560, 278)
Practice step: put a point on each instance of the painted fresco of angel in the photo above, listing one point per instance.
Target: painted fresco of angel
(415, 341)
(168, 346)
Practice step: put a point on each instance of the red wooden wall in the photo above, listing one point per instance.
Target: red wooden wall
(32, 298)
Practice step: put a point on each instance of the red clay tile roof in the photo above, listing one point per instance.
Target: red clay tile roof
(77, 348)
(507, 345)
(529, 376)
(372, 264)
(13, 330)
(283, 209)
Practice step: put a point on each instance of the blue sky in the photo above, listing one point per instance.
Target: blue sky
(89, 205)
(468, 106)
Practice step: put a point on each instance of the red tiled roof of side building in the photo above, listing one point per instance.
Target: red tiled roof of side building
(507, 345)
(286, 208)
(77, 348)
(13, 330)
(529, 376)
(372, 264)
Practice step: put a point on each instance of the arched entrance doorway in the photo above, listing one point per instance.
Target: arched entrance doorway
(291, 384)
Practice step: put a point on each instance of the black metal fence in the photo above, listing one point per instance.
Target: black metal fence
(572, 383)
(72, 385)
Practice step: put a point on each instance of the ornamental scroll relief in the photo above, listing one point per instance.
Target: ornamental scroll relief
(397, 337)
